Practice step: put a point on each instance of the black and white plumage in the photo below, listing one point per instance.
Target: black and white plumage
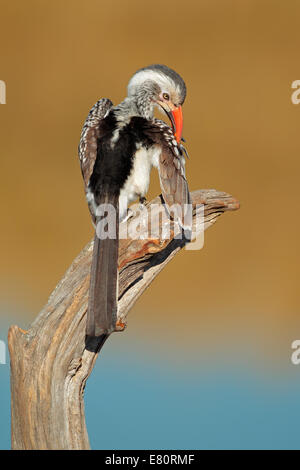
(119, 145)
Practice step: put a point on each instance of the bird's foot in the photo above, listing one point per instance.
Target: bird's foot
(135, 209)
(130, 214)
(143, 200)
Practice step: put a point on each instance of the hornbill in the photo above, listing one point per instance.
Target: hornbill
(118, 147)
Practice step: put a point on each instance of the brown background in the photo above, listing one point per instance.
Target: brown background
(238, 59)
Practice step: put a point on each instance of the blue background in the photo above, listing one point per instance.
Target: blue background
(137, 397)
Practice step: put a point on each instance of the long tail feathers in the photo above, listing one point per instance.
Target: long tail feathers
(103, 294)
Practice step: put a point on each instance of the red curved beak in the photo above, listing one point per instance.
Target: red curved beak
(175, 116)
(178, 123)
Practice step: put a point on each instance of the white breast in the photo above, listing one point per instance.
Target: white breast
(137, 183)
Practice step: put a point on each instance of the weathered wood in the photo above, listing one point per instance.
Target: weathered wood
(51, 362)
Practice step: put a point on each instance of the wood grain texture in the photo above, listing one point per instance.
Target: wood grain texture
(51, 362)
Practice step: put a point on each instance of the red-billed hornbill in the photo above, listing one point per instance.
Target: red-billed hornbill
(118, 147)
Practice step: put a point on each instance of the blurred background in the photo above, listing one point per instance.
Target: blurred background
(206, 359)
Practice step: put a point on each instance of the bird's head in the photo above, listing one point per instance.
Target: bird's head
(159, 85)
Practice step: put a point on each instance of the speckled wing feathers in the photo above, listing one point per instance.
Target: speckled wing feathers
(87, 149)
(171, 168)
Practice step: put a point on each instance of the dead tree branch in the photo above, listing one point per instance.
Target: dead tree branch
(51, 362)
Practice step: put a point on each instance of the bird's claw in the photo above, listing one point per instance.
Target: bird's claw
(143, 202)
(130, 213)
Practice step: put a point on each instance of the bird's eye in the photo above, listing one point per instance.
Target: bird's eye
(166, 96)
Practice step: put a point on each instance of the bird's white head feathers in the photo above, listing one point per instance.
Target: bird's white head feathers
(158, 79)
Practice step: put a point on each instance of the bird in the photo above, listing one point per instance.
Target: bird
(118, 147)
